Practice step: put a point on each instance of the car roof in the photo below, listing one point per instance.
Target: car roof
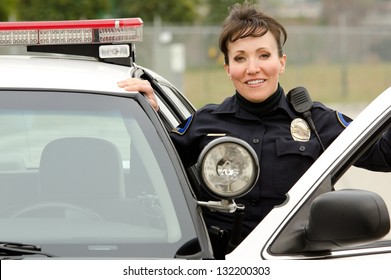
(61, 72)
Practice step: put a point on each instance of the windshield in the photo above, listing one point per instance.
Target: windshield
(86, 175)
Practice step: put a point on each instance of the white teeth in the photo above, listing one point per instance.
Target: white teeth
(254, 82)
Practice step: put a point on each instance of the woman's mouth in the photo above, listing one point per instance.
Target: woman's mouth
(255, 82)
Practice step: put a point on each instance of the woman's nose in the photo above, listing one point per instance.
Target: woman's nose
(253, 66)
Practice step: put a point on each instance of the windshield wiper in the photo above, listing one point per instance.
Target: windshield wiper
(20, 249)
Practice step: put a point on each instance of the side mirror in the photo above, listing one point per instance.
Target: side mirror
(229, 169)
(346, 217)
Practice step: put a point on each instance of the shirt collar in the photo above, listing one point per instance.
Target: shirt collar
(230, 106)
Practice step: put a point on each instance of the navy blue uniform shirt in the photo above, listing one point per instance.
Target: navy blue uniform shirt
(282, 159)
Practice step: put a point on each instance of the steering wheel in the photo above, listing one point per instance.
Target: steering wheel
(50, 209)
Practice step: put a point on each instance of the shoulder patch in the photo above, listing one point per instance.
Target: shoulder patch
(343, 120)
(182, 128)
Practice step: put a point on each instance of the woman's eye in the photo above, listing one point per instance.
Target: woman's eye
(264, 55)
(239, 59)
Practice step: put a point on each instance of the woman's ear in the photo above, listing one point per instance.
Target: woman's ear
(226, 67)
(282, 63)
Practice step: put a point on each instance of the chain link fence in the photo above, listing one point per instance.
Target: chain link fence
(335, 62)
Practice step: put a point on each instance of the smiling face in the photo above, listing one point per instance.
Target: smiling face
(254, 66)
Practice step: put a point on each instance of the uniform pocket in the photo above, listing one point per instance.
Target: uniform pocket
(309, 148)
(293, 158)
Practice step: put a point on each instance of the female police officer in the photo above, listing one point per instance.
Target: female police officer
(260, 113)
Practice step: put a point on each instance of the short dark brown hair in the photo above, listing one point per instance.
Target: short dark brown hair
(246, 20)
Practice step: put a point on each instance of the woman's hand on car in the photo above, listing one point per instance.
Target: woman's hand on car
(142, 86)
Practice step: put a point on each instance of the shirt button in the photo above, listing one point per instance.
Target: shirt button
(302, 148)
(255, 140)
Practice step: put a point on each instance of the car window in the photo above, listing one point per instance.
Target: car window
(179, 101)
(87, 172)
(173, 118)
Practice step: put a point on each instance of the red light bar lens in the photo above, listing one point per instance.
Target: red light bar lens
(71, 32)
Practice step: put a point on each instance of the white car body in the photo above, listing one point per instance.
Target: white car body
(42, 72)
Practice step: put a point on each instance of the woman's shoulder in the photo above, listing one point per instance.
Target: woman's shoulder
(228, 104)
(322, 110)
(322, 107)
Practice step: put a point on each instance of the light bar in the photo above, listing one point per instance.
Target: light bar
(71, 32)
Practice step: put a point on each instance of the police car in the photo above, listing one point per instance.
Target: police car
(87, 170)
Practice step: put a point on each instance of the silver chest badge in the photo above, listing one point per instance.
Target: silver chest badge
(300, 130)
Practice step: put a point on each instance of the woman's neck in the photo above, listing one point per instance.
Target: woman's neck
(261, 108)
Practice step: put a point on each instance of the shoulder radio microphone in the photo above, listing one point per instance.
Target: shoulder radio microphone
(302, 103)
